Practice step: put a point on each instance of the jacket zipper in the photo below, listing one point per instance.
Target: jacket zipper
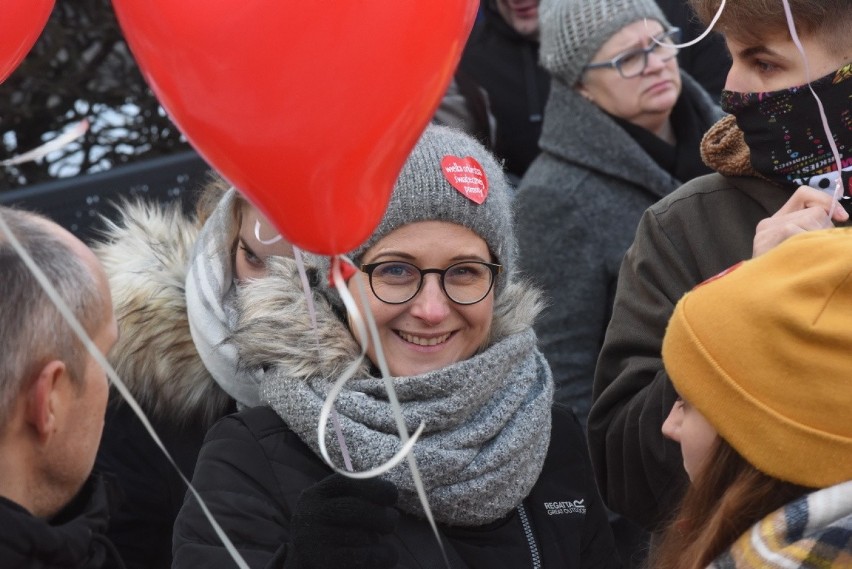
(528, 532)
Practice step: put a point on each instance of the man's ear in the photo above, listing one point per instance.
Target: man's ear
(43, 398)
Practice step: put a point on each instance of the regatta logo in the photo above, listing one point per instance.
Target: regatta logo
(556, 508)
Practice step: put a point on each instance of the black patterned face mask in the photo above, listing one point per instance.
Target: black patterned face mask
(784, 131)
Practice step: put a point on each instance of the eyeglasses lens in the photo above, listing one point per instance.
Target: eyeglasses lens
(467, 283)
(634, 63)
(397, 282)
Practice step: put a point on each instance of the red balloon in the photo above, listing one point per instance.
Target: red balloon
(21, 22)
(309, 108)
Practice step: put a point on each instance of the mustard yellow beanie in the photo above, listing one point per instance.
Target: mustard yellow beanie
(764, 352)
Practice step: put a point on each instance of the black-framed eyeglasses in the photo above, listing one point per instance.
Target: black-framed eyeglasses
(633, 63)
(397, 282)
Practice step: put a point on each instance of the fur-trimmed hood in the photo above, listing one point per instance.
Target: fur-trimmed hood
(146, 253)
(275, 329)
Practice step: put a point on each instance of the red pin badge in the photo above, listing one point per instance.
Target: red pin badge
(466, 176)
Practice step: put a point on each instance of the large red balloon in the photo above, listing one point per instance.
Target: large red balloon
(21, 22)
(309, 108)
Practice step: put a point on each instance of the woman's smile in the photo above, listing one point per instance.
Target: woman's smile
(424, 340)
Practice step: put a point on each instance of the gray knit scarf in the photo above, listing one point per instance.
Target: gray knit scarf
(211, 306)
(487, 428)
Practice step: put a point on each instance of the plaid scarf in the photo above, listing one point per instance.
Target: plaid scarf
(812, 532)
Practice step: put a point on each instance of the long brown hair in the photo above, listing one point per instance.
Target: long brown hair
(756, 19)
(727, 497)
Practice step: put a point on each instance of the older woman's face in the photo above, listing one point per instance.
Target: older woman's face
(252, 253)
(645, 100)
(429, 331)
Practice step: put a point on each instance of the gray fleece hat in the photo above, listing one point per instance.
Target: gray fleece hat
(444, 177)
(572, 31)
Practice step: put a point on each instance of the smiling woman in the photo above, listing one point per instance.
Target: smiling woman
(454, 318)
(440, 323)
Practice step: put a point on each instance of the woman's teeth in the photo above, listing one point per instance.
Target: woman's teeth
(424, 341)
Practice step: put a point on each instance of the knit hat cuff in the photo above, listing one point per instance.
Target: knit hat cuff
(759, 434)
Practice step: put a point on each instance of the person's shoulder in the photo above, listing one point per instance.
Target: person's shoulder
(708, 223)
(262, 428)
(550, 182)
(256, 423)
(718, 189)
(263, 447)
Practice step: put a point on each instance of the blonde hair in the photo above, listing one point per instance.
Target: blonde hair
(209, 198)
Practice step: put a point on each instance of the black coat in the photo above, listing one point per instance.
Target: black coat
(505, 64)
(252, 468)
(73, 539)
(153, 490)
(707, 61)
(146, 254)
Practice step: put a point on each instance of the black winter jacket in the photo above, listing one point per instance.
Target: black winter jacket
(74, 539)
(146, 255)
(252, 468)
(505, 64)
(142, 528)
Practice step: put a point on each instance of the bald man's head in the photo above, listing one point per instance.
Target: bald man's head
(32, 331)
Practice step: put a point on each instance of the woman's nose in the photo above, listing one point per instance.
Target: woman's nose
(733, 82)
(655, 62)
(671, 426)
(431, 304)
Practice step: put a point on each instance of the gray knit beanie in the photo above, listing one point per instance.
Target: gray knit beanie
(423, 192)
(572, 31)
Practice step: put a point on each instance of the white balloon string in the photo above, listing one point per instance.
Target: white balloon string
(275, 239)
(309, 298)
(838, 189)
(703, 35)
(93, 350)
(323, 420)
(70, 135)
(341, 441)
(328, 406)
(306, 286)
(403, 431)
